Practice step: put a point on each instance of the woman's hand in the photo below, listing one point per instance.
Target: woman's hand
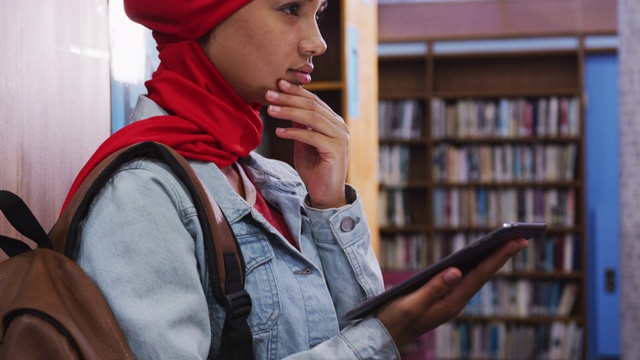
(321, 149)
(442, 298)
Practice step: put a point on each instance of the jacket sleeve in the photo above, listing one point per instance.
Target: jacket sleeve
(137, 244)
(363, 339)
(353, 274)
(343, 239)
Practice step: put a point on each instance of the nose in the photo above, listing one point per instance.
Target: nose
(313, 44)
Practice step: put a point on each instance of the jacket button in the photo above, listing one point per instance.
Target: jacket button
(347, 224)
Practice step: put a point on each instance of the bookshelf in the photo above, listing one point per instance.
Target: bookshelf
(345, 78)
(470, 139)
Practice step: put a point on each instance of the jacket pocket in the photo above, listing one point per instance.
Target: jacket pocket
(260, 281)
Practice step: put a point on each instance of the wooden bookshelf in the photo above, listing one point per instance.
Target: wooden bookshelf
(489, 143)
(345, 77)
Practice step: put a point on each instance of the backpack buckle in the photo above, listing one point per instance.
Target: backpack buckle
(238, 307)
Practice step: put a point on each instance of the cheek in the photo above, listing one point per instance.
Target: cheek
(270, 60)
(256, 73)
(258, 57)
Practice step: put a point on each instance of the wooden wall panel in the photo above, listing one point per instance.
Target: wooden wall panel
(362, 93)
(54, 97)
(494, 18)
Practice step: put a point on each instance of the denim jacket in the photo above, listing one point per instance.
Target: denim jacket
(142, 245)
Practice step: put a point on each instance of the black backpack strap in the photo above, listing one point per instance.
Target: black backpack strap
(12, 246)
(223, 255)
(22, 219)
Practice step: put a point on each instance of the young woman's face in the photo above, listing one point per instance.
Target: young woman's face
(264, 41)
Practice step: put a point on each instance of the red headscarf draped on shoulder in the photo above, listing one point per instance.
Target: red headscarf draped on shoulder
(207, 119)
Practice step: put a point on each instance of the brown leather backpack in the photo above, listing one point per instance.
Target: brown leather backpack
(50, 309)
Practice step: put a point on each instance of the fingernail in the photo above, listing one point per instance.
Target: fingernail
(285, 84)
(272, 95)
(452, 277)
(274, 108)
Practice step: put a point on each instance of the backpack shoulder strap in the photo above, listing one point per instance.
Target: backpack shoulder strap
(223, 255)
(19, 215)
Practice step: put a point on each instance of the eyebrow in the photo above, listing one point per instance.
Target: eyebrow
(323, 3)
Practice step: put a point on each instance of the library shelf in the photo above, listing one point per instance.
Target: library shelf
(469, 141)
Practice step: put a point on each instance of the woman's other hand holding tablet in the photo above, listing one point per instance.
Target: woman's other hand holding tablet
(442, 298)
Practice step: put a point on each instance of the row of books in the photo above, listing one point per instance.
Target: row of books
(413, 251)
(505, 117)
(551, 253)
(548, 253)
(400, 119)
(393, 164)
(501, 341)
(480, 207)
(522, 298)
(393, 207)
(405, 252)
(474, 207)
(500, 163)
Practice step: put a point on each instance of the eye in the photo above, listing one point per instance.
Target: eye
(292, 9)
(321, 12)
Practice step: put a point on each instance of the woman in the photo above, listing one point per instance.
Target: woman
(303, 232)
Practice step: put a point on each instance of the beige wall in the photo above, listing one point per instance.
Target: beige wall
(54, 97)
(629, 29)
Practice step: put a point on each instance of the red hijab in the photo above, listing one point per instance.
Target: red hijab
(207, 119)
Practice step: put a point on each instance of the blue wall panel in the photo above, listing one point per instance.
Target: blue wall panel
(602, 186)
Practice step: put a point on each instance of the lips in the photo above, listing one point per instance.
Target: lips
(303, 74)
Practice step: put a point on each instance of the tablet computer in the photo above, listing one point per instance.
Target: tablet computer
(464, 259)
